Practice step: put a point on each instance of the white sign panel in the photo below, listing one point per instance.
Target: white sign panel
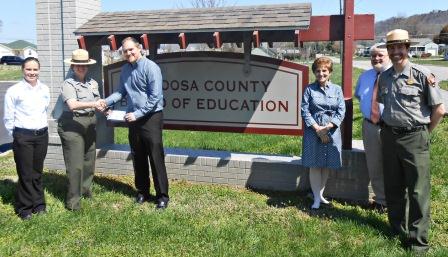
(210, 91)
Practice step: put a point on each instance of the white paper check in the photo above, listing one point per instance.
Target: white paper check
(116, 115)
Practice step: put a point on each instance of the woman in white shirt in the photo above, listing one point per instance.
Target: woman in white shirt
(25, 118)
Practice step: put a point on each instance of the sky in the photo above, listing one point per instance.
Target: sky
(19, 19)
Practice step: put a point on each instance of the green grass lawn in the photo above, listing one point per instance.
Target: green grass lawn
(212, 220)
(432, 61)
(444, 85)
(10, 73)
(208, 220)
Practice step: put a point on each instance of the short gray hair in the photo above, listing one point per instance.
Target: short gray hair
(377, 46)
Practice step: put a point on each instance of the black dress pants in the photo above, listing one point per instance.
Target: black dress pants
(29, 155)
(145, 138)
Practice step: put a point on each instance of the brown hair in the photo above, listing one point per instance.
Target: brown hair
(137, 44)
(322, 61)
(29, 59)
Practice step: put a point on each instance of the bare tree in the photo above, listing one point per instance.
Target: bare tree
(207, 3)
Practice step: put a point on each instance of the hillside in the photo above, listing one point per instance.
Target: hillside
(420, 25)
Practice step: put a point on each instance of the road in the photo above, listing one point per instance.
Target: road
(440, 72)
(4, 137)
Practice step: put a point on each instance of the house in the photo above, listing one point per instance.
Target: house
(29, 52)
(23, 48)
(423, 46)
(5, 50)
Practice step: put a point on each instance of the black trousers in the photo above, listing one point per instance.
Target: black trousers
(145, 138)
(29, 154)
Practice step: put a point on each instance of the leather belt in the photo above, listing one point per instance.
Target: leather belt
(35, 132)
(380, 123)
(406, 130)
(84, 114)
(77, 114)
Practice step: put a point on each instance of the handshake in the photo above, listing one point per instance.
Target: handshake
(101, 106)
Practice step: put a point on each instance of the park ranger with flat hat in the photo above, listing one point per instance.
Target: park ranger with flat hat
(412, 109)
(76, 128)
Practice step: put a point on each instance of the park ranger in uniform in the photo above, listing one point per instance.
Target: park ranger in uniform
(412, 109)
(76, 128)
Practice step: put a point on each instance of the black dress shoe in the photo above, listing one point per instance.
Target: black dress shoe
(162, 204)
(87, 195)
(25, 216)
(141, 198)
(40, 211)
(378, 207)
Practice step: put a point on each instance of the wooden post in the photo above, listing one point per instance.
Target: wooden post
(347, 72)
(112, 42)
(81, 42)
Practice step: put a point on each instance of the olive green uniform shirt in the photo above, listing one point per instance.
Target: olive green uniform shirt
(408, 97)
(83, 92)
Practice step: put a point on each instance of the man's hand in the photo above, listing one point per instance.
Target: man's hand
(129, 117)
(100, 105)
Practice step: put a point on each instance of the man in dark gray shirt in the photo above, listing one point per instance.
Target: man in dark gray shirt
(141, 83)
(412, 109)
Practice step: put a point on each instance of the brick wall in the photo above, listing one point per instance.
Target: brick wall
(266, 172)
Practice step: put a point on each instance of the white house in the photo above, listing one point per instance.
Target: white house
(29, 52)
(4, 50)
(424, 45)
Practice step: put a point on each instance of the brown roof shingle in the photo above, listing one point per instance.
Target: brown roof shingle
(238, 18)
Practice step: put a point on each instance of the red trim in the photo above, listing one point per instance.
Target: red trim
(144, 40)
(291, 132)
(182, 41)
(112, 42)
(256, 38)
(82, 42)
(217, 40)
(296, 38)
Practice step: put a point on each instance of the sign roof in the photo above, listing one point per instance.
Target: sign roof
(225, 19)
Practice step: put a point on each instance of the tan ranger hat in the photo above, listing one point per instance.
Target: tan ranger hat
(398, 36)
(80, 57)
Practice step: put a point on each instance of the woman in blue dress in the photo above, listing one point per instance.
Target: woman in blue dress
(323, 110)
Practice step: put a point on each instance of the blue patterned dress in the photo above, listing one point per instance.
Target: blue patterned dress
(322, 106)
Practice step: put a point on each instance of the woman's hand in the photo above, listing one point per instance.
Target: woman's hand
(325, 139)
(323, 130)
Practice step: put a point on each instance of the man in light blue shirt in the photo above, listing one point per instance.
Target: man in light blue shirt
(141, 83)
(371, 128)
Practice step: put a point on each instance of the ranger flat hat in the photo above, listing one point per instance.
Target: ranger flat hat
(80, 57)
(398, 36)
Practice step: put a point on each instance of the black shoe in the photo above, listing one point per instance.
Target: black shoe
(141, 198)
(162, 204)
(378, 207)
(25, 216)
(87, 195)
(40, 212)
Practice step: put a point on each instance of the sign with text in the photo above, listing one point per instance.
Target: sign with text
(210, 91)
